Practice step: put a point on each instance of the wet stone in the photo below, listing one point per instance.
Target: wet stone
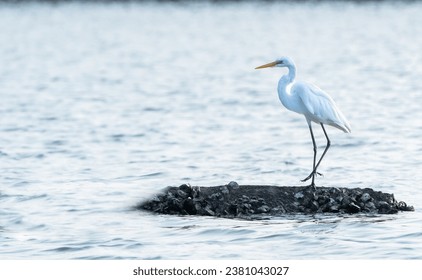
(209, 211)
(334, 209)
(195, 192)
(345, 201)
(299, 195)
(224, 190)
(323, 199)
(215, 196)
(313, 205)
(174, 205)
(186, 188)
(182, 194)
(365, 197)
(248, 201)
(353, 208)
(404, 207)
(233, 185)
(263, 209)
(189, 207)
(198, 207)
(385, 208)
(370, 205)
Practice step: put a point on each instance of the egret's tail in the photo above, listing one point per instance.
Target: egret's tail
(343, 124)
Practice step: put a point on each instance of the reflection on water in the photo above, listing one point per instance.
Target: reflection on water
(105, 104)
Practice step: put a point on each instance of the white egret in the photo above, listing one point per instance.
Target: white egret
(310, 101)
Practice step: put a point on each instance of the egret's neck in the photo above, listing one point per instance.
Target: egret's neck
(292, 73)
(283, 84)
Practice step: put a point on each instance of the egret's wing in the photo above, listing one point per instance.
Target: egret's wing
(320, 106)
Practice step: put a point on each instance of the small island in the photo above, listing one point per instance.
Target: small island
(255, 201)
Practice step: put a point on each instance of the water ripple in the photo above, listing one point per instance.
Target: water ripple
(165, 98)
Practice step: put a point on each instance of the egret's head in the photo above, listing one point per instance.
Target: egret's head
(281, 62)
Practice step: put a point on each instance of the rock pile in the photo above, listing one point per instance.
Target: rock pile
(232, 200)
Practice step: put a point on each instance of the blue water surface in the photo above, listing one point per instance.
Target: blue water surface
(103, 105)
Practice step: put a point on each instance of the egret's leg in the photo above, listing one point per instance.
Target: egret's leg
(326, 148)
(315, 153)
(314, 171)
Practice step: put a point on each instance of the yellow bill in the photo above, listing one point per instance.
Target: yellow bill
(271, 64)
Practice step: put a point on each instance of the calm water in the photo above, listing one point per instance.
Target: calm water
(104, 105)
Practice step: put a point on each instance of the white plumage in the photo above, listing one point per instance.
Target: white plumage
(319, 107)
(312, 102)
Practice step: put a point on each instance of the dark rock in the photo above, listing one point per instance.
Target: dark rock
(174, 205)
(189, 206)
(198, 207)
(182, 194)
(365, 197)
(232, 210)
(353, 208)
(370, 205)
(215, 196)
(186, 188)
(385, 208)
(263, 209)
(196, 192)
(313, 205)
(402, 206)
(233, 185)
(323, 199)
(208, 211)
(249, 201)
(334, 209)
(335, 190)
(299, 195)
(224, 190)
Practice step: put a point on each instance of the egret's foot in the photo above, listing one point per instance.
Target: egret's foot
(310, 176)
(312, 188)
